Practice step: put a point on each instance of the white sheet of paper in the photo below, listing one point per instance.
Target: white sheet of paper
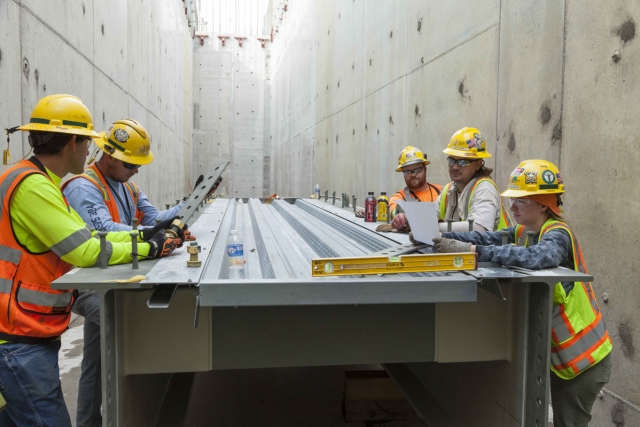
(423, 219)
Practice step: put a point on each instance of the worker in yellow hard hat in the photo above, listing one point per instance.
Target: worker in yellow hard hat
(107, 200)
(413, 164)
(580, 342)
(41, 238)
(471, 194)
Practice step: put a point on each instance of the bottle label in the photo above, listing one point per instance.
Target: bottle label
(382, 211)
(235, 250)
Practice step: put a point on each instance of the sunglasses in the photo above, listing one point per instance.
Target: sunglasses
(130, 166)
(461, 162)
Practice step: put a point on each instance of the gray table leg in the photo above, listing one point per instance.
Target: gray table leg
(108, 349)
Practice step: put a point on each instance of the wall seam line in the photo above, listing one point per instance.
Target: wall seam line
(61, 37)
(564, 61)
(497, 153)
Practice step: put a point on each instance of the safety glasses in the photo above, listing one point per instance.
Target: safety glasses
(130, 166)
(461, 162)
(520, 202)
(414, 172)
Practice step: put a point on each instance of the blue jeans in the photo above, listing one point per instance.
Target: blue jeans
(90, 386)
(30, 383)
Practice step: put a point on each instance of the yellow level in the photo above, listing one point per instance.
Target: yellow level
(419, 263)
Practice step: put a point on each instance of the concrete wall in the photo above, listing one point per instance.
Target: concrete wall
(124, 59)
(351, 82)
(228, 98)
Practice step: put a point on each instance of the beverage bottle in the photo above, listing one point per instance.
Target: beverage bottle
(235, 256)
(316, 192)
(383, 207)
(370, 208)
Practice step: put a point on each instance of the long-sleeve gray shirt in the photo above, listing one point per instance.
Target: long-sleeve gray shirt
(87, 200)
(553, 250)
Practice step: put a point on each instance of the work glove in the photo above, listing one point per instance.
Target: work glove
(386, 228)
(185, 236)
(148, 233)
(414, 241)
(198, 181)
(443, 245)
(161, 245)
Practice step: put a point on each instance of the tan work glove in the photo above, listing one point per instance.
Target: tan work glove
(443, 245)
(386, 228)
(414, 241)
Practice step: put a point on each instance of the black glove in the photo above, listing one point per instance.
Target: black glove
(148, 233)
(162, 246)
(198, 181)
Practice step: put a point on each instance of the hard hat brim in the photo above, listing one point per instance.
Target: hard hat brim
(525, 193)
(411, 162)
(40, 127)
(467, 154)
(103, 141)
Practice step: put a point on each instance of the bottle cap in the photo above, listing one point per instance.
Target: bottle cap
(383, 193)
(370, 193)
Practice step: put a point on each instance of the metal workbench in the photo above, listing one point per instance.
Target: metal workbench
(466, 348)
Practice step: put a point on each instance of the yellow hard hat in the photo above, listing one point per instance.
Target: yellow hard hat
(61, 114)
(534, 177)
(409, 156)
(468, 142)
(128, 141)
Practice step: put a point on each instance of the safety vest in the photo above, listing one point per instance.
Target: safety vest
(30, 311)
(94, 176)
(579, 336)
(503, 222)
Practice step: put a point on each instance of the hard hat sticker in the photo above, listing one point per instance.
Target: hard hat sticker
(560, 181)
(121, 135)
(517, 171)
(476, 141)
(548, 177)
(531, 177)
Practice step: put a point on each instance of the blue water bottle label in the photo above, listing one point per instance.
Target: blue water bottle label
(235, 250)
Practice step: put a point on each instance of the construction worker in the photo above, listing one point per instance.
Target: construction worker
(105, 197)
(580, 342)
(41, 238)
(413, 165)
(471, 194)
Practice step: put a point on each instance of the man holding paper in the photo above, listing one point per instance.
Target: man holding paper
(413, 165)
(471, 194)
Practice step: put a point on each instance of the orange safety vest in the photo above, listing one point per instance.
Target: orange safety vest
(30, 311)
(94, 176)
(579, 336)
(505, 219)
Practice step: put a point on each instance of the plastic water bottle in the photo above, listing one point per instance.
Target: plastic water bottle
(316, 192)
(235, 256)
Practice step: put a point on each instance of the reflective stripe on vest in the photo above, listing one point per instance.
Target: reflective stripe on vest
(94, 176)
(504, 220)
(579, 336)
(408, 197)
(30, 311)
